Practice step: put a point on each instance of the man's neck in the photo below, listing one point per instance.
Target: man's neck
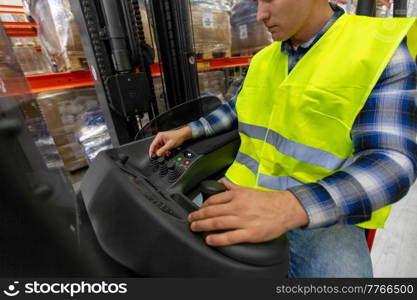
(317, 19)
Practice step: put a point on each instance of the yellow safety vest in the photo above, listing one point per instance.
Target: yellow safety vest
(295, 128)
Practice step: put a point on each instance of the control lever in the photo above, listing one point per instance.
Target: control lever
(123, 159)
(154, 162)
(163, 168)
(174, 171)
(209, 188)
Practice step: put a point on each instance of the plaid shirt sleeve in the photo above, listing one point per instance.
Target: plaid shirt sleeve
(222, 119)
(385, 153)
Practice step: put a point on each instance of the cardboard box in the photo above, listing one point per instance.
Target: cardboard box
(9, 17)
(211, 27)
(213, 82)
(248, 36)
(160, 95)
(73, 156)
(32, 61)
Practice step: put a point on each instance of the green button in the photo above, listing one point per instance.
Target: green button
(180, 158)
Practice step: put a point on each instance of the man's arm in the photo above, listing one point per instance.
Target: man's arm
(385, 153)
(220, 120)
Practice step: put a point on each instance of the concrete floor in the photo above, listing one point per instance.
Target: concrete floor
(394, 252)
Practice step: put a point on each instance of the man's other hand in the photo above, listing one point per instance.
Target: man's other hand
(247, 215)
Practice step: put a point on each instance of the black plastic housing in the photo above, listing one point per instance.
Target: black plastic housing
(140, 216)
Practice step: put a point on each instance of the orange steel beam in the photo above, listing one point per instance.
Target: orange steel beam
(219, 63)
(66, 80)
(21, 32)
(19, 24)
(11, 6)
(11, 12)
(212, 64)
(59, 81)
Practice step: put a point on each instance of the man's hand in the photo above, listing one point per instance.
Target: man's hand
(167, 140)
(248, 215)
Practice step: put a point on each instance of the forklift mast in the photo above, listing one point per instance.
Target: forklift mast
(174, 34)
(120, 60)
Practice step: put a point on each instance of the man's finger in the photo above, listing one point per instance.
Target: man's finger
(156, 143)
(152, 147)
(228, 238)
(228, 184)
(211, 211)
(218, 223)
(220, 198)
(164, 149)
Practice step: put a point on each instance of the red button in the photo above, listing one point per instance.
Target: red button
(186, 162)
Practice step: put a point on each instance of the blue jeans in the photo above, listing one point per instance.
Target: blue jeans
(335, 251)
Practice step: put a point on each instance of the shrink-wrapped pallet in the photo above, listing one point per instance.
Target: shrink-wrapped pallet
(58, 33)
(62, 111)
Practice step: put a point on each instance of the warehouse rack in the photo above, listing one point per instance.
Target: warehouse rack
(65, 80)
(75, 79)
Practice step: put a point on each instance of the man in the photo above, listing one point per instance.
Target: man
(327, 120)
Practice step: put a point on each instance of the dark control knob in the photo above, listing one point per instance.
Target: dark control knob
(209, 188)
(174, 172)
(153, 161)
(163, 168)
(171, 165)
(43, 191)
(123, 159)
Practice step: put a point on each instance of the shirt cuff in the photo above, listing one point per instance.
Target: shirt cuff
(318, 204)
(197, 129)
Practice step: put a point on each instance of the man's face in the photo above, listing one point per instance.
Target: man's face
(284, 18)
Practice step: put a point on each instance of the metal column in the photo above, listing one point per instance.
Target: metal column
(366, 8)
(400, 8)
(174, 36)
(113, 40)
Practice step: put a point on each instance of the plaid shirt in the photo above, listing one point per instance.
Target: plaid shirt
(384, 137)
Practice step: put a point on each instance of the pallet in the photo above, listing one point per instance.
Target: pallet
(77, 61)
(247, 52)
(213, 54)
(75, 165)
(28, 44)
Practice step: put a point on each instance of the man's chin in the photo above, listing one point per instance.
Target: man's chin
(277, 37)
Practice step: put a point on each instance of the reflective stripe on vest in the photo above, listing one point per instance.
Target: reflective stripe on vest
(298, 151)
(277, 182)
(295, 128)
(269, 182)
(247, 161)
